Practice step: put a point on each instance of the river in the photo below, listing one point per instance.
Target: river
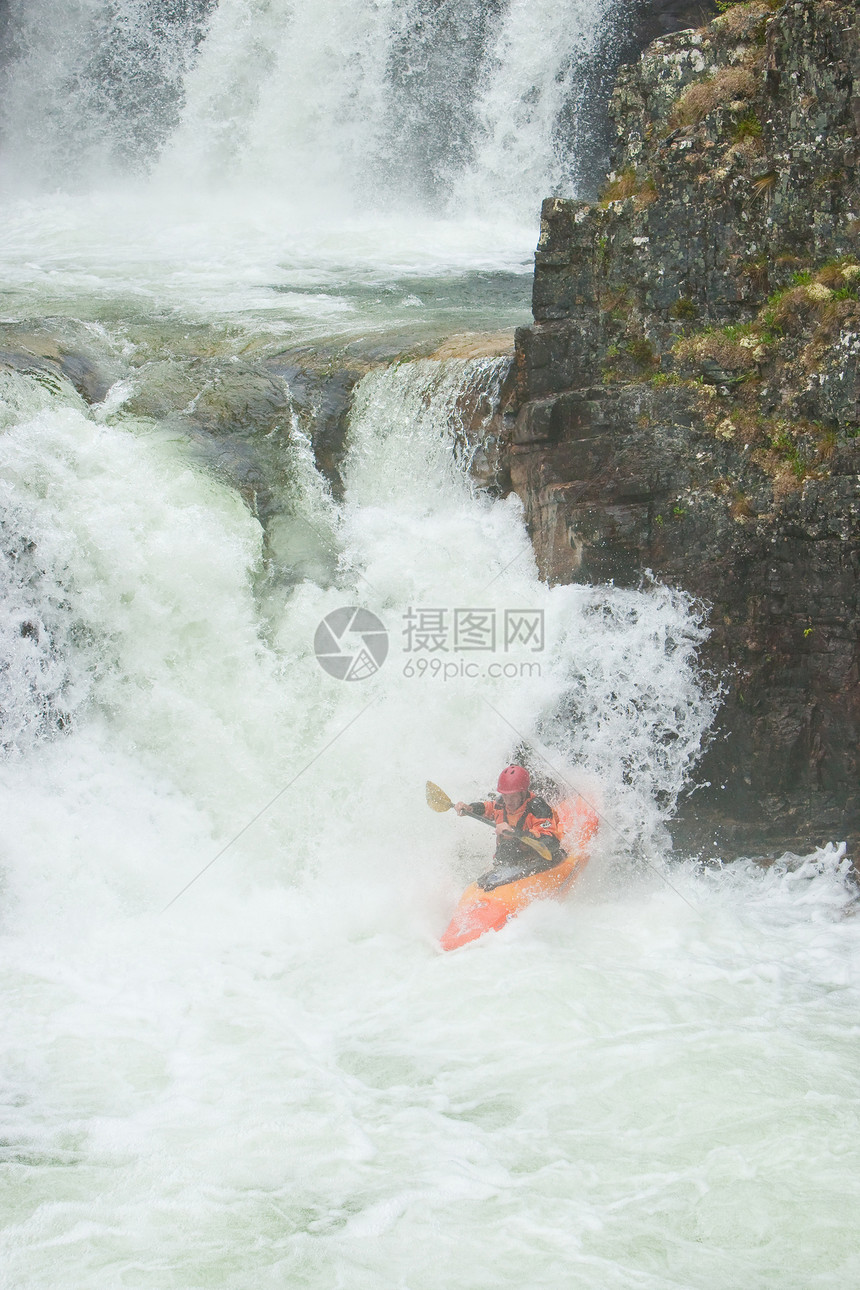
(233, 1053)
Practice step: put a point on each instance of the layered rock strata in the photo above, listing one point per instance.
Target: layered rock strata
(688, 399)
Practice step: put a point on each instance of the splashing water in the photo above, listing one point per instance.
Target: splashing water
(90, 87)
(452, 103)
(280, 1081)
(274, 163)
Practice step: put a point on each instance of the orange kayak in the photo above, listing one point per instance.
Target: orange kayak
(481, 910)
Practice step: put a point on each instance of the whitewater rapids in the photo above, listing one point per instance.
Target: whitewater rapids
(233, 1055)
(280, 1081)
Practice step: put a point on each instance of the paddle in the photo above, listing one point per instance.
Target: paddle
(438, 800)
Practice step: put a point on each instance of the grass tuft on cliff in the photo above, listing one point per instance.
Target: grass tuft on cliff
(625, 185)
(743, 20)
(728, 85)
(747, 376)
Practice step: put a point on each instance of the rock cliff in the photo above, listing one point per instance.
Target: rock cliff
(687, 399)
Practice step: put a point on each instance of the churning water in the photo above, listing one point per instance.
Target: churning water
(262, 161)
(279, 1081)
(462, 104)
(275, 1079)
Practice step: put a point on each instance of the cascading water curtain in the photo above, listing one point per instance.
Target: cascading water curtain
(92, 88)
(460, 106)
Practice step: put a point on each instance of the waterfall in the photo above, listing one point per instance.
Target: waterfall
(279, 1081)
(90, 87)
(456, 106)
(233, 1055)
(153, 565)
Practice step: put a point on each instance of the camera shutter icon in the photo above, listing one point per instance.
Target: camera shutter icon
(351, 644)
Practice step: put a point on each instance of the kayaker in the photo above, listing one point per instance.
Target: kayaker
(518, 812)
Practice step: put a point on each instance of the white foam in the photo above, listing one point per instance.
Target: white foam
(281, 1080)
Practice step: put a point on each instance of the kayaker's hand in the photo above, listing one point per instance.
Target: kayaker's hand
(462, 809)
(501, 828)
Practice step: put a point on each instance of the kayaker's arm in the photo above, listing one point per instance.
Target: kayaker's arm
(484, 811)
(472, 808)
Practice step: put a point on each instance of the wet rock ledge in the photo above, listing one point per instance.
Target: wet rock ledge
(688, 403)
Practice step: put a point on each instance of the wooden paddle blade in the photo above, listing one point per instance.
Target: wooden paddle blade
(437, 798)
(543, 852)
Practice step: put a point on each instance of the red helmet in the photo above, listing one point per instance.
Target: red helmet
(514, 779)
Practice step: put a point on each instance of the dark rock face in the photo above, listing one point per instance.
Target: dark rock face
(689, 399)
(660, 17)
(629, 29)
